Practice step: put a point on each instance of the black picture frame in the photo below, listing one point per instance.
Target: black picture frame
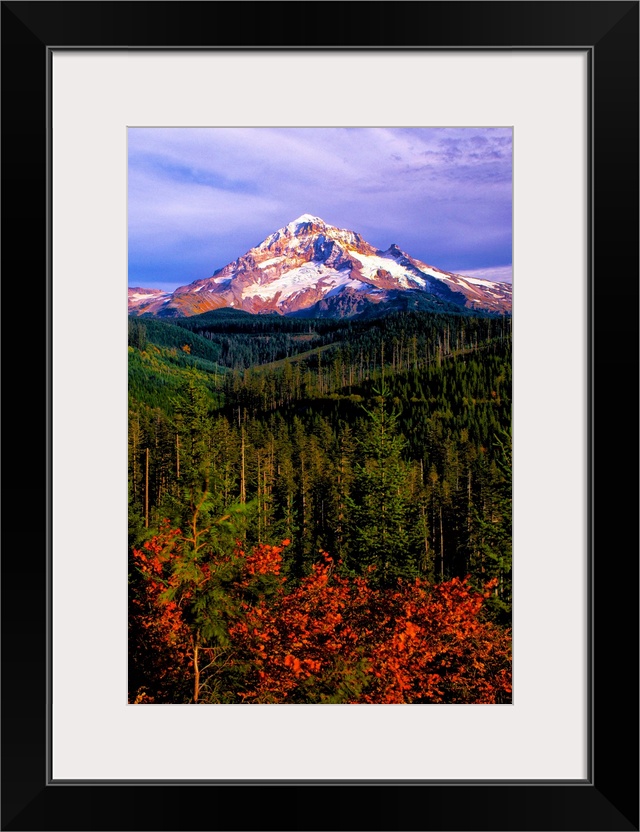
(608, 799)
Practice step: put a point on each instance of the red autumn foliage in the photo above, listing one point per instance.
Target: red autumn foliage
(170, 605)
(330, 639)
(159, 638)
(337, 639)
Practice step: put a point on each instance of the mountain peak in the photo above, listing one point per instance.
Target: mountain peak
(304, 219)
(308, 262)
(299, 226)
(307, 218)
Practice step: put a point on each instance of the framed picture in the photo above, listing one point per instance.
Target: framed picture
(563, 77)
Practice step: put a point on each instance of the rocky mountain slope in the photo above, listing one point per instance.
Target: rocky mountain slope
(311, 268)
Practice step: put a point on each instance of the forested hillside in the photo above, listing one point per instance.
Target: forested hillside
(320, 510)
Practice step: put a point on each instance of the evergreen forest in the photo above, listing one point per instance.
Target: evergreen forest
(320, 510)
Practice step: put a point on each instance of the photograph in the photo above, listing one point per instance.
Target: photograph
(319, 428)
(337, 461)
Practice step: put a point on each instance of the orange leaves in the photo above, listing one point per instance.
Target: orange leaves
(293, 663)
(332, 638)
(159, 636)
(265, 560)
(411, 644)
(306, 666)
(183, 600)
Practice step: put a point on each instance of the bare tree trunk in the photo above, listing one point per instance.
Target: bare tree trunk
(146, 489)
(196, 670)
(243, 488)
(303, 488)
(265, 497)
(134, 437)
(441, 547)
(259, 503)
(425, 532)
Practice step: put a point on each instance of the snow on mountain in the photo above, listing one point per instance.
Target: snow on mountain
(147, 299)
(308, 262)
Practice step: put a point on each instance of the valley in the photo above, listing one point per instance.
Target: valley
(376, 448)
(320, 479)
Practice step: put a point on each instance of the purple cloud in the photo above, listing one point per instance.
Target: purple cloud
(198, 197)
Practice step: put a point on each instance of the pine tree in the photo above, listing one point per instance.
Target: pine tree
(381, 518)
(492, 528)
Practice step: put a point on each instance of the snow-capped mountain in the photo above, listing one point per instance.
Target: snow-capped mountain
(142, 297)
(311, 268)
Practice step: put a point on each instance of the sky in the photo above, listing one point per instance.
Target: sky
(201, 197)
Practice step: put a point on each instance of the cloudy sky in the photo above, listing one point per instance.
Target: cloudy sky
(200, 197)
